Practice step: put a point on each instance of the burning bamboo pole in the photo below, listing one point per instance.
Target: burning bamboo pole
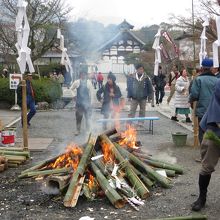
(110, 132)
(111, 193)
(149, 171)
(141, 189)
(45, 172)
(68, 199)
(41, 164)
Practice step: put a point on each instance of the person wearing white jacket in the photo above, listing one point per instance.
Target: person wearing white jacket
(182, 96)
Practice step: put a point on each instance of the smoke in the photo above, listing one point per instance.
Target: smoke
(50, 189)
(166, 157)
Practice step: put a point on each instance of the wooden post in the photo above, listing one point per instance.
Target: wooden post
(24, 115)
(195, 126)
(1, 125)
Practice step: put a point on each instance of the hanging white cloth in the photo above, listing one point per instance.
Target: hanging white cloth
(156, 47)
(23, 30)
(216, 44)
(65, 58)
(203, 38)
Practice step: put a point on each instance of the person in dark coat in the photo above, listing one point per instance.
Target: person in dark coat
(210, 148)
(159, 84)
(202, 90)
(139, 90)
(30, 98)
(110, 96)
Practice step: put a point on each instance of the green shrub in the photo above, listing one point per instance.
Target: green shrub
(6, 94)
(45, 90)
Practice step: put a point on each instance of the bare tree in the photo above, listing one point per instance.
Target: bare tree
(208, 8)
(44, 18)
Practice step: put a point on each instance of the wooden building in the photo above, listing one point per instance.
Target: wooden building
(112, 53)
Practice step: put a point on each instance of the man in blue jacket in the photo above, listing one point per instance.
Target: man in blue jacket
(210, 148)
(202, 89)
(139, 89)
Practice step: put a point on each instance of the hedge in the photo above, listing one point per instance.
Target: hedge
(45, 90)
(6, 94)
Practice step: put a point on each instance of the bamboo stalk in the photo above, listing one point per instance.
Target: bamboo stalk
(16, 158)
(159, 163)
(191, 217)
(110, 132)
(58, 181)
(79, 172)
(170, 173)
(149, 171)
(111, 193)
(15, 161)
(143, 178)
(141, 189)
(45, 172)
(17, 153)
(164, 165)
(76, 193)
(12, 165)
(41, 164)
(12, 148)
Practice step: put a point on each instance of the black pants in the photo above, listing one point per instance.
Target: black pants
(80, 111)
(159, 93)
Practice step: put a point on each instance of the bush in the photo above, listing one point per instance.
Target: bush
(6, 94)
(46, 90)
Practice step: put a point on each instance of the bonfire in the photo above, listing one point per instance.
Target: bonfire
(110, 164)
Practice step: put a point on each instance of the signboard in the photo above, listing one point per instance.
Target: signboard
(15, 79)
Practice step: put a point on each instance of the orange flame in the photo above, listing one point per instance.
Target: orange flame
(91, 181)
(107, 152)
(70, 158)
(129, 137)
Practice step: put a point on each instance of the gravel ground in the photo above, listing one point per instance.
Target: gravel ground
(26, 199)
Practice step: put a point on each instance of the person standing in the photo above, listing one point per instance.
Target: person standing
(100, 79)
(182, 96)
(94, 79)
(159, 84)
(30, 98)
(174, 75)
(139, 90)
(110, 96)
(215, 71)
(202, 90)
(83, 88)
(210, 148)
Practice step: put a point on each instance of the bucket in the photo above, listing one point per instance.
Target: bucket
(179, 139)
(8, 137)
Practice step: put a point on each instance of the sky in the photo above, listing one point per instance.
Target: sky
(137, 12)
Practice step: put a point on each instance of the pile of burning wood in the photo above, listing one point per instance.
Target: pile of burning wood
(111, 164)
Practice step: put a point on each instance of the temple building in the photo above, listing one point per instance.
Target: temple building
(111, 54)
